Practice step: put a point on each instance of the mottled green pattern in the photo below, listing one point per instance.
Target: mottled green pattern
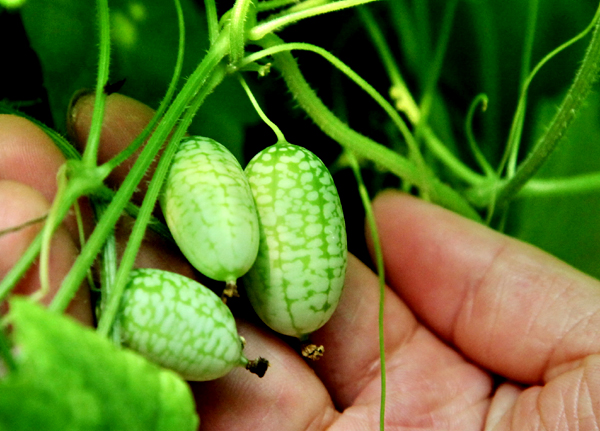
(179, 324)
(210, 211)
(297, 279)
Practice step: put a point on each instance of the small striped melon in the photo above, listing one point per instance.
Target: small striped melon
(297, 279)
(210, 210)
(180, 324)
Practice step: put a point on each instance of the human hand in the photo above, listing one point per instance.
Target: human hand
(482, 331)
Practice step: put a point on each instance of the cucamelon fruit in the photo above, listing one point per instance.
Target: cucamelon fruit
(210, 211)
(296, 282)
(180, 324)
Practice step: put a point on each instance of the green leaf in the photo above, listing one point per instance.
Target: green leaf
(566, 226)
(69, 378)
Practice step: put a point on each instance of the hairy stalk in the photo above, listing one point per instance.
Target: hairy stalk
(549, 187)
(74, 181)
(399, 91)
(237, 30)
(571, 104)
(17, 272)
(87, 176)
(405, 102)
(436, 68)
(479, 157)
(273, 4)
(141, 138)
(364, 85)
(358, 143)
(280, 137)
(519, 115)
(263, 29)
(141, 223)
(525, 69)
(73, 279)
(366, 201)
(212, 19)
(90, 155)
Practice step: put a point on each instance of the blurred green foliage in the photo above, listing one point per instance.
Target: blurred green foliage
(67, 377)
(484, 56)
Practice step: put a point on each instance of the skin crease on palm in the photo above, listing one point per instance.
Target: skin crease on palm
(482, 331)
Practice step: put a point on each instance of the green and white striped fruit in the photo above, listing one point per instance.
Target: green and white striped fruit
(297, 279)
(180, 324)
(210, 211)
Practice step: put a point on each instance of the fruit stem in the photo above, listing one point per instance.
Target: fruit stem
(280, 137)
(230, 291)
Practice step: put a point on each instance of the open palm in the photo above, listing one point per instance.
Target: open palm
(481, 331)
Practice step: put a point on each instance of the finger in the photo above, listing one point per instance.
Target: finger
(124, 119)
(427, 381)
(29, 156)
(507, 305)
(569, 401)
(289, 397)
(351, 337)
(20, 204)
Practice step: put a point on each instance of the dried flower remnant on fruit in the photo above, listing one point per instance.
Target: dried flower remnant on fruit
(312, 351)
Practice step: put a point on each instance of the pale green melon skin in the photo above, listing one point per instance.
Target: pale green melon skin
(210, 210)
(180, 324)
(296, 282)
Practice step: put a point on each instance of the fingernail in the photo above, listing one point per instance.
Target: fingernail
(72, 111)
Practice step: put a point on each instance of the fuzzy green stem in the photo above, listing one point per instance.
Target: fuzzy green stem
(549, 187)
(273, 4)
(280, 137)
(74, 181)
(212, 19)
(517, 123)
(370, 216)
(90, 156)
(405, 102)
(358, 143)
(436, 68)
(141, 223)
(106, 223)
(262, 29)
(399, 91)
(20, 268)
(364, 85)
(141, 138)
(571, 104)
(479, 157)
(525, 68)
(329, 123)
(237, 31)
